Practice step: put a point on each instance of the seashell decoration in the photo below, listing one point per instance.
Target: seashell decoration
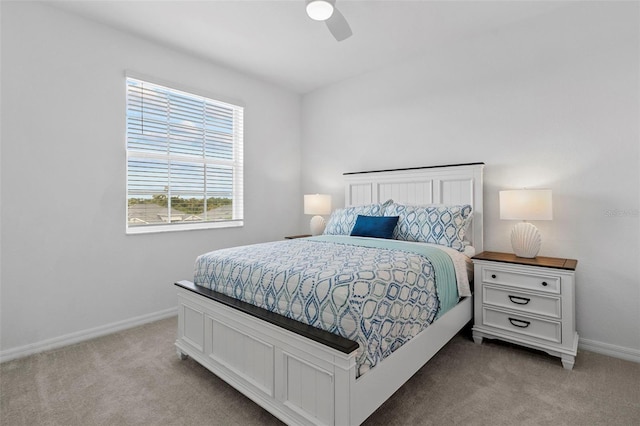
(525, 240)
(317, 224)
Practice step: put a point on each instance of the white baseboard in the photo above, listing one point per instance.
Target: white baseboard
(79, 336)
(610, 350)
(69, 339)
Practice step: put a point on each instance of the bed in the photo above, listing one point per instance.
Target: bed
(309, 362)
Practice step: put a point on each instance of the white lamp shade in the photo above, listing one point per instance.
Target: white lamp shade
(319, 10)
(526, 204)
(319, 204)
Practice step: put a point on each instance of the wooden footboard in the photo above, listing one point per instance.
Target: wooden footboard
(297, 378)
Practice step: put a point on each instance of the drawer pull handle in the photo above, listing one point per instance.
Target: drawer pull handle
(493, 276)
(544, 284)
(519, 323)
(519, 300)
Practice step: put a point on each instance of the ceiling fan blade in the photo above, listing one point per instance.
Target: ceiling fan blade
(338, 26)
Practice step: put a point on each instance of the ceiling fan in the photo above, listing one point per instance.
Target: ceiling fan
(325, 10)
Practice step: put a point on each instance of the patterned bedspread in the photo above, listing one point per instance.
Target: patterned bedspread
(377, 293)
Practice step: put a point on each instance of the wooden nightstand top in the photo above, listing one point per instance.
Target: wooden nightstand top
(293, 237)
(547, 262)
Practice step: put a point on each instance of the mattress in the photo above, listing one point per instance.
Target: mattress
(379, 293)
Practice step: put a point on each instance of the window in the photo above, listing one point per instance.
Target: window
(184, 160)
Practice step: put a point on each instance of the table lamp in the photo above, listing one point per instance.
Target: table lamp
(526, 204)
(317, 204)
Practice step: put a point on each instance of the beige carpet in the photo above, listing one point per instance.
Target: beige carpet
(135, 378)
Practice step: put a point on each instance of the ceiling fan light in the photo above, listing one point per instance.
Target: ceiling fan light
(319, 10)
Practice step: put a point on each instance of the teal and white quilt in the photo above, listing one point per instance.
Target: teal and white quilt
(379, 293)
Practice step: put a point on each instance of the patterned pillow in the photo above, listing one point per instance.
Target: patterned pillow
(437, 224)
(341, 221)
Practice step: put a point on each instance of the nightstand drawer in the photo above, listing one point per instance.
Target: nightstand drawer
(524, 302)
(546, 283)
(521, 324)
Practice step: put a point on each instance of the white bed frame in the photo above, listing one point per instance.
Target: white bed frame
(299, 380)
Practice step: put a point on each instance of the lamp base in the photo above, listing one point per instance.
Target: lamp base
(525, 240)
(317, 225)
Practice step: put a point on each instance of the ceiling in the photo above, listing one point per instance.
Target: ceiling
(275, 41)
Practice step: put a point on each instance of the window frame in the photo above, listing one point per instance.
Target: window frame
(236, 163)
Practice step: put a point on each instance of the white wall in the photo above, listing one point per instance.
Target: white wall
(552, 102)
(67, 265)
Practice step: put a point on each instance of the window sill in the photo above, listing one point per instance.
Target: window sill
(150, 229)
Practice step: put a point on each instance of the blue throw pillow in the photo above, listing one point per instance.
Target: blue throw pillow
(374, 226)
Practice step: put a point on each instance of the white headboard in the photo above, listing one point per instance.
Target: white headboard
(456, 184)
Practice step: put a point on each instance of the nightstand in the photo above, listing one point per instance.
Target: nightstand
(529, 302)
(293, 237)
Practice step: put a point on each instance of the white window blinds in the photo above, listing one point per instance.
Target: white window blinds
(184, 160)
